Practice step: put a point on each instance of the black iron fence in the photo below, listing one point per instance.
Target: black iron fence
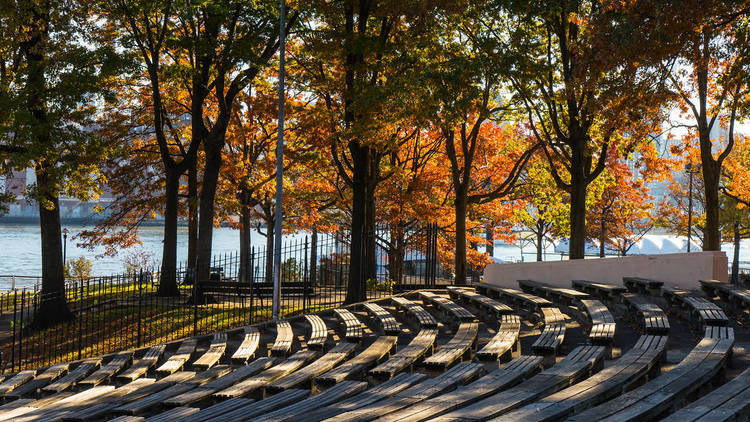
(107, 314)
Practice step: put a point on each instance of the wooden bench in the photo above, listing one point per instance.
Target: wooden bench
(667, 390)
(504, 344)
(67, 405)
(561, 295)
(603, 291)
(645, 286)
(299, 410)
(318, 332)
(457, 347)
(447, 307)
(407, 357)
(652, 320)
(736, 296)
(387, 323)
(578, 364)
(214, 353)
(80, 372)
(176, 414)
(221, 383)
(106, 372)
(41, 380)
(549, 341)
(356, 366)
(95, 410)
(497, 380)
(702, 312)
(381, 391)
(284, 336)
(212, 413)
(352, 328)
(731, 401)
(148, 402)
(531, 302)
(179, 358)
(16, 380)
(271, 374)
(262, 407)
(611, 381)
(142, 365)
(248, 347)
(469, 296)
(602, 330)
(448, 380)
(323, 364)
(423, 318)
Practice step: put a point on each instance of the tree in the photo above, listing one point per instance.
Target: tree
(54, 81)
(710, 77)
(358, 59)
(584, 73)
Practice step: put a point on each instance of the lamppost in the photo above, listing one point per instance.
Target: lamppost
(689, 168)
(65, 244)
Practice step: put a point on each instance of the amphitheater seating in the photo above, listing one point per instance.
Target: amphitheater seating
(703, 312)
(352, 328)
(661, 393)
(179, 358)
(492, 308)
(249, 385)
(284, 336)
(602, 323)
(318, 332)
(387, 323)
(458, 375)
(499, 379)
(142, 365)
(40, 381)
(323, 364)
(359, 364)
(214, 353)
(602, 291)
(248, 347)
(643, 286)
(423, 318)
(104, 373)
(737, 297)
(731, 401)
(505, 342)
(360, 378)
(577, 364)
(548, 343)
(653, 319)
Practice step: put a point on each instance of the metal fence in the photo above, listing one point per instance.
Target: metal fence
(107, 314)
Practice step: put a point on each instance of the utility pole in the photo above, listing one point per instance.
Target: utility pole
(279, 172)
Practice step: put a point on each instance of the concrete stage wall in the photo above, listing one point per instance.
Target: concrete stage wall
(679, 270)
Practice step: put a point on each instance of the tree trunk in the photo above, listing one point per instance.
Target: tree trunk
(490, 241)
(355, 290)
(711, 176)
(736, 257)
(602, 237)
(192, 252)
(396, 255)
(54, 307)
(577, 247)
(460, 261)
(314, 256)
(539, 241)
(168, 279)
(206, 211)
(270, 250)
(245, 210)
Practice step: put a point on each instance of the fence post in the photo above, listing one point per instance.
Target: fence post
(15, 324)
(195, 302)
(140, 304)
(80, 323)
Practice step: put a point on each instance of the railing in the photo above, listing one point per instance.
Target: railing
(102, 315)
